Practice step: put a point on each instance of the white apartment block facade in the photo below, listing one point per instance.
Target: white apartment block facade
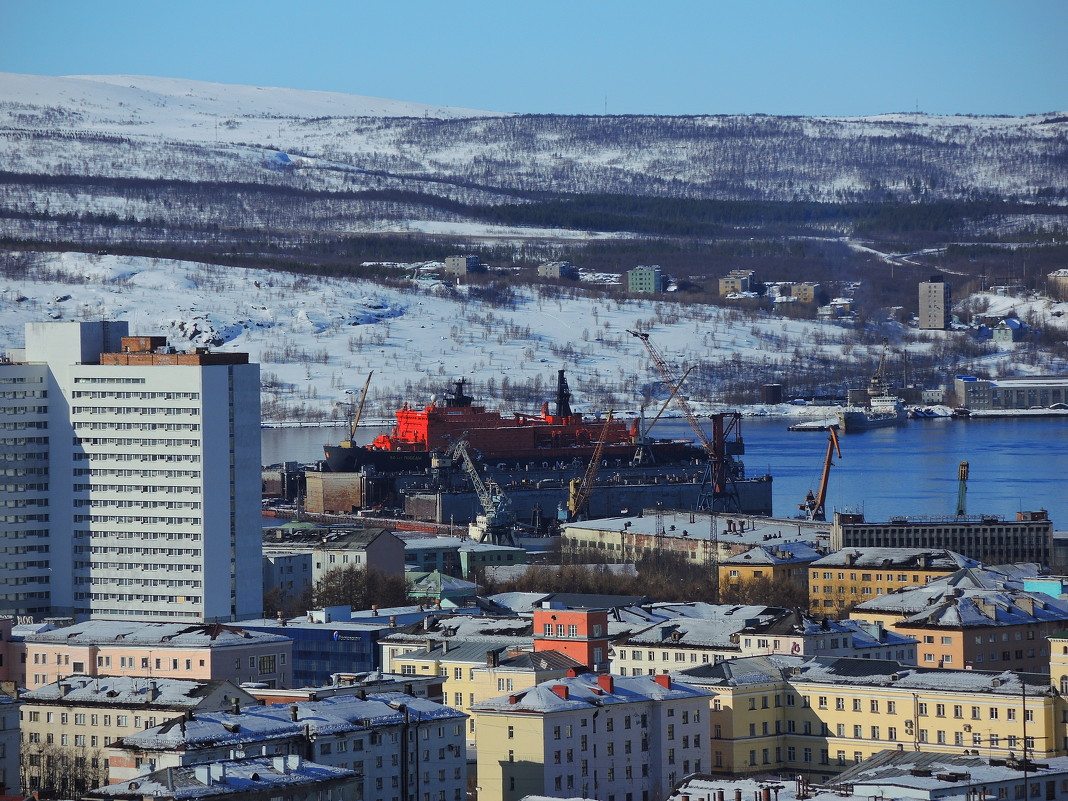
(148, 504)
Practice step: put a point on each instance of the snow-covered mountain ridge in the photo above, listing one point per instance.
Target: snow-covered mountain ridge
(165, 128)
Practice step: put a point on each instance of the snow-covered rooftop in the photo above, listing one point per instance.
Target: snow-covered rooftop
(264, 774)
(128, 691)
(862, 672)
(157, 635)
(589, 692)
(259, 723)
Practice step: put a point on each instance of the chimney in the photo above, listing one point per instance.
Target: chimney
(765, 794)
(374, 610)
(153, 691)
(293, 712)
(444, 646)
(737, 795)
(393, 621)
(663, 679)
(561, 690)
(606, 682)
(513, 699)
(235, 708)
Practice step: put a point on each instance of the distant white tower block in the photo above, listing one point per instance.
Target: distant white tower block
(936, 304)
(150, 508)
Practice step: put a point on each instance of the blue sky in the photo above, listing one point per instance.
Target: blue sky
(577, 57)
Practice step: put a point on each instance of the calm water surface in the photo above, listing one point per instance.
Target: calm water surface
(910, 470)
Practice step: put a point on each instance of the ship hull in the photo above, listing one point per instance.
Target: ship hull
(351, 460)
(862, 420)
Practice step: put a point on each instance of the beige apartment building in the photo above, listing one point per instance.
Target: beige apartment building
(155, 651)
(67, 724)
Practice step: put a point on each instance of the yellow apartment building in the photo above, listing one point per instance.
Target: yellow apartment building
(472, 672)
(840, 580)
(595, 736)
(788, 562)
(818, 715)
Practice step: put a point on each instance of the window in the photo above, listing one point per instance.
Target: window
(891, 707)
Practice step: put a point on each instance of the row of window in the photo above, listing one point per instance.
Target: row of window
(665, 656)
(100, 472)
(137, 457)
(143, 442)
(174, 521)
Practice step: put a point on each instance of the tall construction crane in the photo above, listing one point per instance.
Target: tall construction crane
(813, 507)
(579, 489)
(718, 490)
(962, 489)
(496, 524)
(348, 443)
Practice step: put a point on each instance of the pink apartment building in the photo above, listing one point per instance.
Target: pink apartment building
(150, 650)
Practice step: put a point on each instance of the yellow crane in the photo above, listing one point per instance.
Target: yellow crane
(348, 443)
(579, 490)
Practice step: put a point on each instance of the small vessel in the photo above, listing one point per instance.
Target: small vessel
(883, 409)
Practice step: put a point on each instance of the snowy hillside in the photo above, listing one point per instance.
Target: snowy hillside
(317, 339)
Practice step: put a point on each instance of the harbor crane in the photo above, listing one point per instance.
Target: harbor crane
(719, 493)
(962, 490)
(813, 507)
(878, 384)
(644, 454)
(496, 524)
(579, 490)
(348, 443)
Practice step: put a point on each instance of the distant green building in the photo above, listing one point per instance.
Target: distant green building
(645, 279)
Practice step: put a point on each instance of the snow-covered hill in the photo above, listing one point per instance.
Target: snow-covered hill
(317, 338)
(174, 128)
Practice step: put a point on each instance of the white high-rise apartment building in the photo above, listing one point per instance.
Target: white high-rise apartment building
(129, 478)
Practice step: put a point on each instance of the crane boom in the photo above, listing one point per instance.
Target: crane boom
(359, 411)
(814, 506)
(579, 495)
(673, 384)
(497, 519)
